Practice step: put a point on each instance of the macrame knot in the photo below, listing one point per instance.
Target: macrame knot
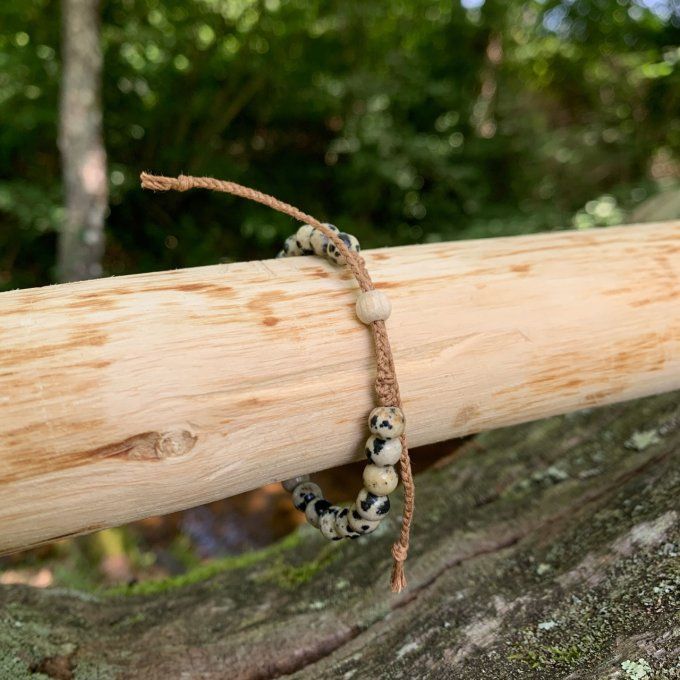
(399, 552)
(398, 580)
(184, 183)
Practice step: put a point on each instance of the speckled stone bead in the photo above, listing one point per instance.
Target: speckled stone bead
(315, 510)
(387, 422)
(290, 247)
(383, 451)
(302, 238)
(372, 507)
(290, 484)
(359, 524)
(334, 254)
(342, 525)
(327, 524)
(380, 480)
(304, 493)
(319, 241)
(373, 305)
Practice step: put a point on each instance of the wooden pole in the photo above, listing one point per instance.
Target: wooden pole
(127, 397)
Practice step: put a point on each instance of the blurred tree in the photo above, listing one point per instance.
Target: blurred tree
(81, 238)
(406, 121)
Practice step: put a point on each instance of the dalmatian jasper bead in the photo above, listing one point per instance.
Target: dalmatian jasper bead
(372, 507)
(383, 451)
(315, 510)
(290, 247)
(305, 493)
(290, 484)
(302, 239)
(319, 241)
(342, 525)
(359, 524)
(334, 254)
(380, 480)
(387, 422)
(327, 524)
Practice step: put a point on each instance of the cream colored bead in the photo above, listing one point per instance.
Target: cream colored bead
(327, 524)
(302, 237)
(383, 451)
(304, 493)
(371, 507)
(319, 241)
(315, 510)
(342, 525)
(290, 484)
(380, 480)
(360, 524)
(290, 247)
(333, 252)
(386, 422)
(373, 305)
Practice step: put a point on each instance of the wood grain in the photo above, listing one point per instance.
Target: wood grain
(127, 397)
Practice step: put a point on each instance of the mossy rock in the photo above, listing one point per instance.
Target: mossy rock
(548, 550)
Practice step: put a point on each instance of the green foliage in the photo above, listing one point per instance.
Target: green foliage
(402, 121)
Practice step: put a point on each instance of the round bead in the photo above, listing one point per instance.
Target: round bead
(333, 253)
(387, 422)
(359, 524)
(319, 241)
(372, 507)
(380, 480)
(373, 305)
(304, 493)
(315, 510)
(290, 247)
(342, 525)
(383, 451)
(302, 238)
(290, 484)
(327, 524)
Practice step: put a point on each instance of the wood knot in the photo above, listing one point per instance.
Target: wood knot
(150, 446)
(174, 443)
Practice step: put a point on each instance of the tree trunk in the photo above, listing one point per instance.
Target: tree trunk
(81, 242)
(553, 553)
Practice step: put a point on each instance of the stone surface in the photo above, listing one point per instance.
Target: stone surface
(548, 550)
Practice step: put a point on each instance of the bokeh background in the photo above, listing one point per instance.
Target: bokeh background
(405, 121)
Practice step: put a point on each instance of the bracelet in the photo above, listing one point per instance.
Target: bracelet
(387, 443)
(386, 423)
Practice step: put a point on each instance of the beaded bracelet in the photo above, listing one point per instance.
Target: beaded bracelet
(386, 423)
(387, 442)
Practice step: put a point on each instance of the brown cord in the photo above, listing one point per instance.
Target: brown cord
(386, 385)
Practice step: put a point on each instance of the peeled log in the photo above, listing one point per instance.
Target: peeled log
(129, 397)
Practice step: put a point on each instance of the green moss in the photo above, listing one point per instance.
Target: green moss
(208, 570)
(291, 576)
(547, 657)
